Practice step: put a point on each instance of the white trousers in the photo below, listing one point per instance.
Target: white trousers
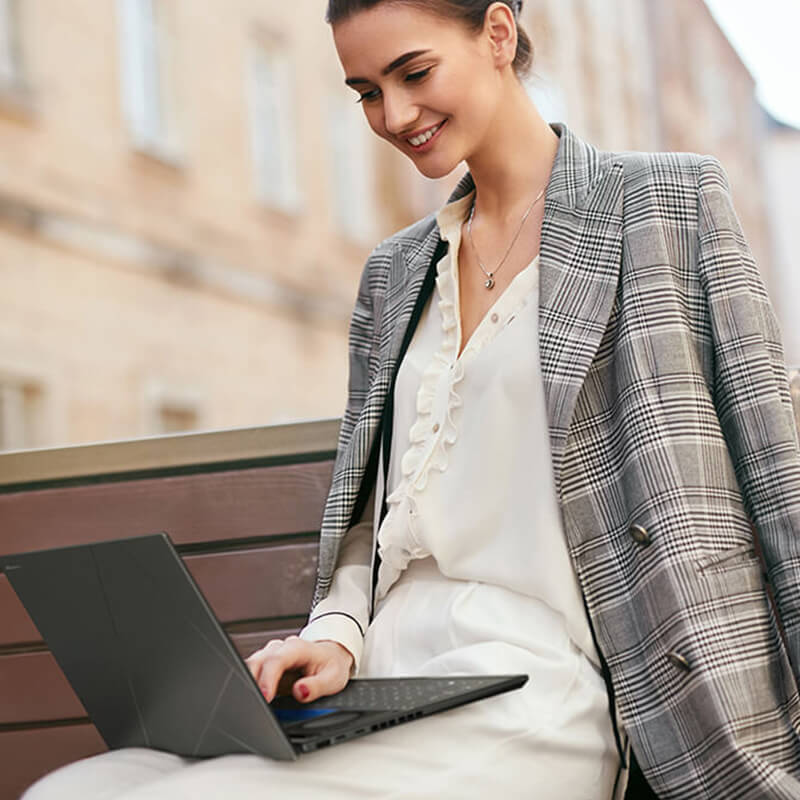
(551, 739)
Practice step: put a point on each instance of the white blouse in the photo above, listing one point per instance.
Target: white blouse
(470, 476)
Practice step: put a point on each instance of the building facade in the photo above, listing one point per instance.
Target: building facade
(188, 193)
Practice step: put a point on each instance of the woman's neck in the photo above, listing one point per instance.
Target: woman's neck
(514, 162)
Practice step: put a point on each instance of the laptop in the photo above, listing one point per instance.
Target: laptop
(154, 668)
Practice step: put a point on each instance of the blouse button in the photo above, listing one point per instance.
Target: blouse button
(494, 317)
(436, 427)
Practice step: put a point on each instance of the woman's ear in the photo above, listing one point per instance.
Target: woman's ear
(501, 29)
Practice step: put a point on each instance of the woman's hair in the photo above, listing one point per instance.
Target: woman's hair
(470, 12)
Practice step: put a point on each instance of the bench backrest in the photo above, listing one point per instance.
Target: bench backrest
(244, 509)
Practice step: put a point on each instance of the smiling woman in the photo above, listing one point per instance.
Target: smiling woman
(441, 76)
(567, 415)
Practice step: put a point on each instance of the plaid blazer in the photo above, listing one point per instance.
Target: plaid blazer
(671, 429)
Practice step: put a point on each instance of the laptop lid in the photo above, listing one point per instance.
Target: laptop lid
(109, 611)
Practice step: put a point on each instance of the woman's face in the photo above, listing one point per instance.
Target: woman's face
(427, 84)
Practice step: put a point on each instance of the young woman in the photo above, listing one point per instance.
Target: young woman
(567, 402)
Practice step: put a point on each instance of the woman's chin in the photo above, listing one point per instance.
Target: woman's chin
(433, 169)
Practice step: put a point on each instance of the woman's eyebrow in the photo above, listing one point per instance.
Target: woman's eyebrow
(396, 64)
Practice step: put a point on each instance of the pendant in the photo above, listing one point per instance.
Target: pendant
(489, 283)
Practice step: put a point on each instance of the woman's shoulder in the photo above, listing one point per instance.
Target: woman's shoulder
(411, 236)
(665, 171)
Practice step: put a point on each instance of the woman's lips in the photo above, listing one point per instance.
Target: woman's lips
(427, 138)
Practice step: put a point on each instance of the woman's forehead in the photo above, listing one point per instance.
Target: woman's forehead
(372, 39)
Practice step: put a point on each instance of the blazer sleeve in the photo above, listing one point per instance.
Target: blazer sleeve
(751, 392)
(341, 613)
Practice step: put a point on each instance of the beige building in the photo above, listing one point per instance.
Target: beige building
(188, 192)
(184, 208)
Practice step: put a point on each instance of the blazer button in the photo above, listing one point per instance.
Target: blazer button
(639, 534)
(677, 660)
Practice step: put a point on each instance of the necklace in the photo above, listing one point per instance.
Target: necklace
(489, 282)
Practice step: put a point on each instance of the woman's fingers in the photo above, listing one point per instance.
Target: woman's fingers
(306, 669)
(331, 678)
(256, 660)
(294, 654)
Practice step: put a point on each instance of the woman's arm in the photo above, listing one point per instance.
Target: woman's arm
(751, 391)
(343, 615)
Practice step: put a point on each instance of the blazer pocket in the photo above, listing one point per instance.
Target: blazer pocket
(743, 555)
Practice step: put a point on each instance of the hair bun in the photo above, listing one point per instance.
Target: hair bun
(516, 6)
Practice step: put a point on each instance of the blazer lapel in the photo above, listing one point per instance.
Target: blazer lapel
(404, 300)
(580, 257)
(403, 295)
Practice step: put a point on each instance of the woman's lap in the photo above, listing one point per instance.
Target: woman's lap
(552, 738)
(459, 753)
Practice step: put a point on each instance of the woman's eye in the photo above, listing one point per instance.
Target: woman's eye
(368, 96)
(373, 94)
(418, 76)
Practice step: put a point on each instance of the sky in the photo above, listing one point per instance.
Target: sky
(764, 34)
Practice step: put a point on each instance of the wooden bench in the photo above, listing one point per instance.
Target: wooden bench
(244, 508)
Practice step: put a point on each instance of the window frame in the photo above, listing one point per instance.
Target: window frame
(275, 157)
(147, 79)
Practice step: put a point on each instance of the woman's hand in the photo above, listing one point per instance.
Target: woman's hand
(308, 669)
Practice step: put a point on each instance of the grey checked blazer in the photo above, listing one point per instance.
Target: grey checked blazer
(670, 428)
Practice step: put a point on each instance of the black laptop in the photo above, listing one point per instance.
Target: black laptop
(153, 667)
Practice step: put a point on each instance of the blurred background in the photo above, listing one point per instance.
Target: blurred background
(188, 192)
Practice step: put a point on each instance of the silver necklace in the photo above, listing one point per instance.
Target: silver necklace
(489, 282)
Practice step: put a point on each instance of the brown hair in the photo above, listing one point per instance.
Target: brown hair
(470, 12)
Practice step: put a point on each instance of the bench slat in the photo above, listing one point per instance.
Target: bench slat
(33, 687)
(204, 507)
(246, 584)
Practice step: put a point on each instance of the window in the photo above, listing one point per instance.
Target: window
(10, 60)
(272, 126)
(20, 414)
(146, 77)
(352, 168)
(714, 88)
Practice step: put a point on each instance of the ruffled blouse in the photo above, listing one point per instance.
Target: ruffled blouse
(471, 481)
(470, 475)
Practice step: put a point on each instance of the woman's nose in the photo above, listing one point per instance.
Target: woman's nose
(399, 115)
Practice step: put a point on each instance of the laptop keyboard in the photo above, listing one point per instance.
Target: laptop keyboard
(401, 694)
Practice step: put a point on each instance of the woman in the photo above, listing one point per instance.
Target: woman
(585, 403)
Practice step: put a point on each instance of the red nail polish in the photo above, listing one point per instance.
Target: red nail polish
(304, 690)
